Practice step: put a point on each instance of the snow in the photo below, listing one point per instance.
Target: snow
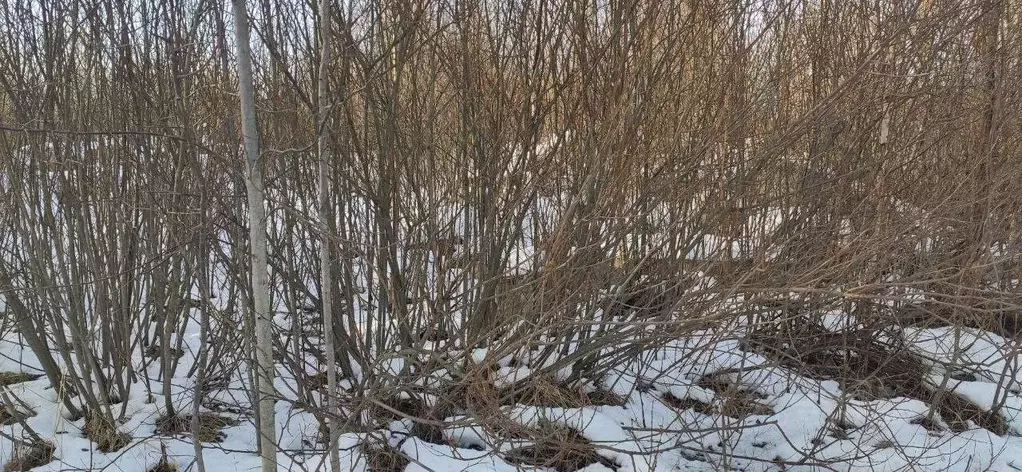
(435, 457)
(801, 423)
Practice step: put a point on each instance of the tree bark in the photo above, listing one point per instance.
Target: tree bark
(325, 254)
(257, 240)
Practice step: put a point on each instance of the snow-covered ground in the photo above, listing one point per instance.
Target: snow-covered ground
(704, 402)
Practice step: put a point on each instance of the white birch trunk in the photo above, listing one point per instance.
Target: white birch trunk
(257, 237)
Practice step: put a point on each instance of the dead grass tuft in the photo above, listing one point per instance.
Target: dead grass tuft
(11, 378)
(317, 381)
(840, 429)
(544, 391)
(734, 401)
(688, 403)
(602, 397)
(6, 418)
(930, 425)
(104, 433)
(857, 358)
(27, 456)
(428, 421)
(164, 465)
(557, 447)
(380, 457)
(9, 416)
(211, 426)
(884, 444)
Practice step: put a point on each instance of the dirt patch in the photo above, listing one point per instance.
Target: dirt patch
(211, 426)
(27, 456)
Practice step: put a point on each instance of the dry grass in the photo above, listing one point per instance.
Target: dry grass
(317, 381)
(557, 447)
(544, 391)
(473, 393)
(688, 403)
(382, 458)
(105, 434)
(7, 417)
(959, 411)
(163, 465)
(154, 351)
(27, 456)
(211, 426)
(928, 424)
(11, 378)
(868, 368)
(734, 402)
(428, 420)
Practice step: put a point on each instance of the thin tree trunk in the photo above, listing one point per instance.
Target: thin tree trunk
(325, 255)
(203, 361)
(257, 237)
(205, 308)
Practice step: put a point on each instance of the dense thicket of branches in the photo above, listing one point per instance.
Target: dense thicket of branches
(502, 174)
